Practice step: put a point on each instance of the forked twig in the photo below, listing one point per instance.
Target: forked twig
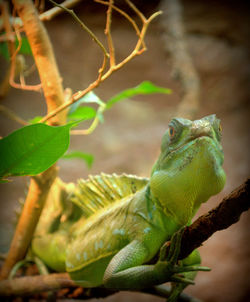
(139, 48)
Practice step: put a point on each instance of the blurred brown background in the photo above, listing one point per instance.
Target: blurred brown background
(217, 33)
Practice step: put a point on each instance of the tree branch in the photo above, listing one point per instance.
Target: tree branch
(44, 58)
(227, 213)
(35, 284)
(138, 49)
(37, 195)
(53, 92)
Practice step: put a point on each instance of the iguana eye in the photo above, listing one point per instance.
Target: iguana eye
(171, 132)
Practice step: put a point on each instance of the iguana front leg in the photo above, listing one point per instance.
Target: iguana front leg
(193, 259)
(126, 269)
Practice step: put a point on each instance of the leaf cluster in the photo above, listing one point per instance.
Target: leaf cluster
(32, 149)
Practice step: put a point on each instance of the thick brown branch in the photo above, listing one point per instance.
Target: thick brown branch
(37, 194)
(34, 284)
(53, 91)
(225, 214)
(44, 58)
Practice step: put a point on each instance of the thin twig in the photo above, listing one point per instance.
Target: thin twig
(22, 84)
(13, 52)
(93, 125)
(93, 36)
(137, 50)
(11, 115)
(137, 11)
(125, 15)
(53, 12)
(108, 34)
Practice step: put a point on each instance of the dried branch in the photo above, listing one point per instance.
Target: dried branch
(37, 194)
(34, 284)
(44, 57)
(12, 82)
(139, 48)
(125, 15)
(53, 12)
(93, 36)
(108, 34)
(227, 213)
(53, 91)
(183, 68)
(15, 67)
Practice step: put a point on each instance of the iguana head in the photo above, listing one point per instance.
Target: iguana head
(189, 169)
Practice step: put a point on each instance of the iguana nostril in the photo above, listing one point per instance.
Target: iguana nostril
(197, 130)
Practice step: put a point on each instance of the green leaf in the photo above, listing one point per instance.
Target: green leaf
(90, 97)
(4, 50)
(33, 149)
(88, 158)
(35, 120)
(145, 87)
(25, 47)
(2, 181)
(83, 113)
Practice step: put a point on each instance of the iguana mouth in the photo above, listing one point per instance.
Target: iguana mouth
(191, 139)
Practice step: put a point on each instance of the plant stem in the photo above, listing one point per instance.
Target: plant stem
(53, 92)
(44, 58)
(37, 194)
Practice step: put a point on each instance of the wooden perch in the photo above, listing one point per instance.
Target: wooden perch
(225, 214)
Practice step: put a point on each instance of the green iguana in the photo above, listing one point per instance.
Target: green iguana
(105, 230)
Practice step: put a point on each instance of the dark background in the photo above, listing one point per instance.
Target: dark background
(217, 33)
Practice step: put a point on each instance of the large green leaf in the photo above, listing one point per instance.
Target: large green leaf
(32, 149)
(145, 87)
(88, 158)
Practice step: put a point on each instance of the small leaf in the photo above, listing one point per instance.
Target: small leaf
(4, 50)
(88, 158)
(35, 120)
(83, 113)
(90, 97)
(33, 149)
(145, 87)
(25, 47)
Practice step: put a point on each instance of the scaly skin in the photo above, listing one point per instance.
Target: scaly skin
(112, 246)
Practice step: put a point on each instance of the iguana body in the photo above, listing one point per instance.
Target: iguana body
(105, 229)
